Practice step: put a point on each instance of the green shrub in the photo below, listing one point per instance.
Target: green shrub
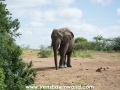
(80, 39)
(2, 78)
(83, 54)
(116, 44)
(75, 53)
(86, 54)
(82, 46)
(17, 73)
(45, 52)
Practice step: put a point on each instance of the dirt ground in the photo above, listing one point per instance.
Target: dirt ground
(83, 71)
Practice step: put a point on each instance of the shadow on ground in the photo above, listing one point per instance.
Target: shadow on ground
(45, 69)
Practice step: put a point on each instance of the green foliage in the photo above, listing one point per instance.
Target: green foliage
(45, 52)
(86, 54)
(80, 48)
(102, 44)
(99, 43)
(80, 39)
(116, 43)
(75, 53)
(17, 73)
(106, 44)
(2, 78)
(83, 54)
(81, 44)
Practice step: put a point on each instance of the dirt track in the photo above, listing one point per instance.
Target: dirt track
(83, 71)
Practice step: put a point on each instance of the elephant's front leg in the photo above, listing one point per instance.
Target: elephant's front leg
(65, 63)
(62, 63)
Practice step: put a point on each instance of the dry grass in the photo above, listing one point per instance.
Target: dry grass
(28, 52)
(113, 56)
(83, 71)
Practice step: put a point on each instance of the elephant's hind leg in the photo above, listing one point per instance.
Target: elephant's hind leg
(69, 59)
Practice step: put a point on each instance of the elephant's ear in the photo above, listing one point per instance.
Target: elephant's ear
(67, 37)
(60, 33)
(53, 32)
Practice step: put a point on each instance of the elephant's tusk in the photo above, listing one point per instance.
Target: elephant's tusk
(58, 46)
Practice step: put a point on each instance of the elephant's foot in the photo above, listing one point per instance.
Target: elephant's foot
(63, 66)
(69, 66)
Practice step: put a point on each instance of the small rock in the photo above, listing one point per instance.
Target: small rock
(101, 68)
(112, 83)
(98, 70)
(107, 67)
(104, 69)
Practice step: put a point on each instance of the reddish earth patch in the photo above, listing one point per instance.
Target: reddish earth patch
(83, 71)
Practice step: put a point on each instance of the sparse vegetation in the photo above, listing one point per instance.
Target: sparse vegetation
(45, 52)
(83, 48)
(86, 54)
(99, 43)
(83, 54)
(29, 51)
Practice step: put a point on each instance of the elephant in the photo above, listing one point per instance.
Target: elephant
(62, 41)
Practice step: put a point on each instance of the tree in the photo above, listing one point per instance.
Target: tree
(80, 39)
(116, 43)
(45, 52)
(99, 43)
(2, 78)
(17, 73)
(81, 43)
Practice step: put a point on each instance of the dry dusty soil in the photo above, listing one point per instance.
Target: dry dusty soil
(102, 72)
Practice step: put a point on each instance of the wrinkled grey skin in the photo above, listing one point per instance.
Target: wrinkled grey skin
(63, 41)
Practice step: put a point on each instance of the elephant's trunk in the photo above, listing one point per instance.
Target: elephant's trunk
(55, 56)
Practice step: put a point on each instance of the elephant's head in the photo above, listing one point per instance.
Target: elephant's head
(60, 37)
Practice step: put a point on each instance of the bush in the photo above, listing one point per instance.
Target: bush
(16, 76)
(116, 44)
(75, 53)
(99, 43)
(82, 46)
(86, 54)
(17, 73)
(83, 54)
(44, 52)
(80, 39)
(2, 78)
